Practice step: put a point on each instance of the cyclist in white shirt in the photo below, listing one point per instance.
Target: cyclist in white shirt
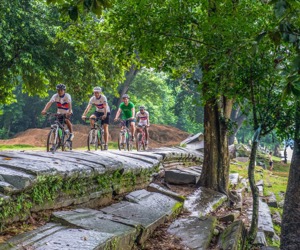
(102, 110)
(142, 118)
(64, 107)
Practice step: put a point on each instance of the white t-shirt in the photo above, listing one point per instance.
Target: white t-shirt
(99, 103)
(142, 118)
(62, 102)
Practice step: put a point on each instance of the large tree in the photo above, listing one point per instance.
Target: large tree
(288, 12)
(180, 36)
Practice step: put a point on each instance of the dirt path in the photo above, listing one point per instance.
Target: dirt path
(160, 135)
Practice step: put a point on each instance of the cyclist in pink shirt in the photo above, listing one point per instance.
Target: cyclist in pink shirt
(142, 118)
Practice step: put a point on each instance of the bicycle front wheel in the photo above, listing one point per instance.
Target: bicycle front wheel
(67, 144)
(121, 139)
(101, 139)
(128, 142)
(139, 142)
(52, 141)
(92, 140)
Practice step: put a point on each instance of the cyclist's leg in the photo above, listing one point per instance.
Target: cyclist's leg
(92, 117)
(137, 130)
(70, 127)
(132, 128)
(146, 134)
(105, 124)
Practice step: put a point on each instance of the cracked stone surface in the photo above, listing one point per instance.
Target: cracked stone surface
(195, 233)
(117, 226)
(265, 223)
(203, 201)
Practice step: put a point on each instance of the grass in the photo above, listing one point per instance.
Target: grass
(20, 147)
(274, 182)
(111, 145)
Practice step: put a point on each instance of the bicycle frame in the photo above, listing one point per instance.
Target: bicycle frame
(59, 137)
(124, 136)
(95, 138)
(141, 136)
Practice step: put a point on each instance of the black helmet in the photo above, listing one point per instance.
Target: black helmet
(142, 107)
(61, 86)
(125, 96)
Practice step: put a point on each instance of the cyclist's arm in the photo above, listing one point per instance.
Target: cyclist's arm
(70, 108)
(44, 111)
(105, 109)
(133, 113)
(86, 110)
(118, 114)
(148, 120)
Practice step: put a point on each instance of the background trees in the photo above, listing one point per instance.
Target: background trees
(190, 62)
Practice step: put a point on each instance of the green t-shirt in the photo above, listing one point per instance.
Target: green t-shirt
(126, 110)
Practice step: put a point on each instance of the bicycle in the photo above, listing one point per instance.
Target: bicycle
(58, 135)
(124, 138)
(96, 135)
(141, 138)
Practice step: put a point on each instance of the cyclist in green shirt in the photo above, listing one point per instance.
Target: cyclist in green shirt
(128, 114)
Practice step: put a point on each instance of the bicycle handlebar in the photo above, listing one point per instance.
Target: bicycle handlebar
(55, 114)
(95, 119)
(124, 120)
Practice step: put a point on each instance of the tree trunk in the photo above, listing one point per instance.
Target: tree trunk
(285, 155)
(215, 172)
(238, 118)
(290, 226)
(254, 189)
(277, 150)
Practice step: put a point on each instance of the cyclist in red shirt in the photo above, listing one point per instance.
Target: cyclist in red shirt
(64, 106)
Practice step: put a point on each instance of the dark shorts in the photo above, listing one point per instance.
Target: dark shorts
(127, 123)
(99, 114)
(271, 163)
(62, 118)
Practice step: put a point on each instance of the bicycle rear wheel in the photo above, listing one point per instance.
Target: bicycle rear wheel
(52, 141)
(92, 140)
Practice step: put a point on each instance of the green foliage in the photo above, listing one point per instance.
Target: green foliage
(40, 52)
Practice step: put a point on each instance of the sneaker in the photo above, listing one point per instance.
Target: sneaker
(105, 146)
(71, 136)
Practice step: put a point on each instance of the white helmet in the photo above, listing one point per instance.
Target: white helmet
(97, 89)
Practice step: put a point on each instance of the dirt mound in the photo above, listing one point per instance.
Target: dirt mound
(160, 135)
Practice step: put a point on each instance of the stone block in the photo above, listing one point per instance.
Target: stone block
(148, 210)
(233, 237)
(230, 217)
(159, 189)
(180, 176)
(260, 239)
(57, 237)
(234, 179)
(204, 201)
(195, 233)
(123, 231)
(271, 200)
